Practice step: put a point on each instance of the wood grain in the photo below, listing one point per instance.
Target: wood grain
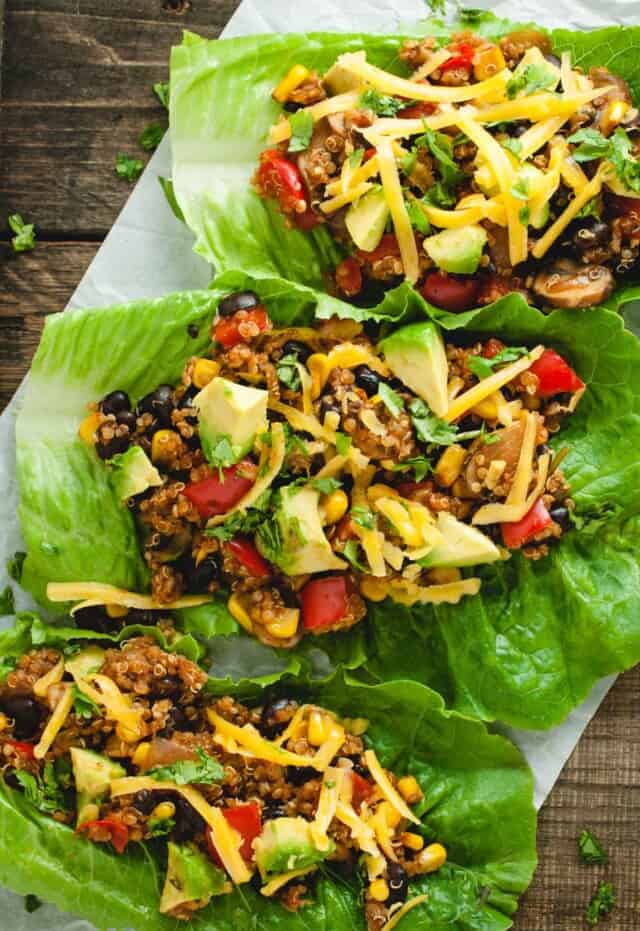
(76, 84)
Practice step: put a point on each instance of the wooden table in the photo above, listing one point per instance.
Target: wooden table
(76, 90)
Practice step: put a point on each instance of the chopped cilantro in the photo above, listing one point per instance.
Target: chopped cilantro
(343, 443)
(591, 850)
(618, 149)
(269, 536)
(204, 770)
(326, 485)
(590, 209)
(409, 161)
(381, 104)
(441, 147)
(243, 523)
(352, 553)
(43, 791)
(524, 215)
(84, 706)
(32, 903)
(159, 827)
(151, 137)
(591, 144)
(220, 452)
(512, 145)
(520, 188)
(391, 400)
(482, 367)
(14, 566)
(355, 159)
(25, 236)
(7, 602)
(128, 168)
(429, 428)
(533, 78)
(440, 196)
(420, 465)
(364, 517)
(161, 90)
(419, 219)
(301, 130)
(601, 903)
(288, 374)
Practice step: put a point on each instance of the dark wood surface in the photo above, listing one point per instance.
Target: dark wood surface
(76, 80)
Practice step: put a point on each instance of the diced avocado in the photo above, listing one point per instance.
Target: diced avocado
(304, 547)
(287, 844)
(366, 220)
(92, 774)
(544, 69)
(132, 473)
(191, 877)
(229, 416)
(458, 250)
(416, 355)
(461, 545)
(540, 217)
(86, 661)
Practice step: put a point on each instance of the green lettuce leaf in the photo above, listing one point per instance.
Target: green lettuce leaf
(478, 803)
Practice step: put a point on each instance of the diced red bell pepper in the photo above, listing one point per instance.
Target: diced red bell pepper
(554, 375)
(307, 220)
(388, 246)
(324, 602)
(25, 749)
(227, 330)
(462, 57)
(361, 790)
(247, 821)
(349, 277)
(492, 347)
(279, 178)
(218, 494)
(416, 111)
(449, 293)
(245, 552)
(118, 831)
(517, 533)
(369, 154)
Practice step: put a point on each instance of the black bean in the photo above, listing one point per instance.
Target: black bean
(298, 775)
(294, 347)
(592, 232)
(241, 300)
(560, 515)
(145, 801)
(95, 619)
(398, 883)
(291, 106)
(200, 577)
(193, 330)
(159, 403)
(117, 444)
(271, 724)
(127, 419)
(367, 379)
(188, 821)
(26, 713)
(115, 402)
(273, 809)
(187, 398)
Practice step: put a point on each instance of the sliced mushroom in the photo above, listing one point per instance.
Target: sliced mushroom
(565, 283)
(505, 449)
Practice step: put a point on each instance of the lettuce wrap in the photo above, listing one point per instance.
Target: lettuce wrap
(477, 801)
(526, 650)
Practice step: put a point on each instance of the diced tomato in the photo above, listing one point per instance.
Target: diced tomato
(118, 831)
(387, 246)
(247, 821)
(361, 790)
(517, 533)
(246, 554)
(324, 602)
(307, 220)
(228, 332)
(369, 154)
(279, 178)
(25, 749)
(554, 375)
(450, 293)
(218, 494)
(462, 57)
(492, 347)
(416, 111)
(349, 277)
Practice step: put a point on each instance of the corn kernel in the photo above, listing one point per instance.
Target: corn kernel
(164, 811)
(161, 444)
(409, 789)
(204, 371)
(487, 408)
(294, 78)
(88, 428)
(239, 613)
(613, 115)
(4, 722)
(449, 465)
(117, 610)
(432, 858)
(286, 626)
(356, 726)
(379, 890)
(412, 841)
(140, 755)
(318, 728)
(390, 814)
(373, 589)
(319, 368)
(488, 62)
(90, 813)
(335, 506)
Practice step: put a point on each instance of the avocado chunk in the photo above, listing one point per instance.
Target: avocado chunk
(416, 355)
(303, 547)
(287, 844)
(540, 217)
(461, 546)
(546, 74)
(457, 251)
(230, 416)
(191, 877)
(85, 662)
(93, 774)
(366, 220)
(132, 473)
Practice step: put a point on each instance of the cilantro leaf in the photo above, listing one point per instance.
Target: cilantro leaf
(84, 706)
(244, 523)
(441, 147)
(440, 196)
(364, 517)
(160, 827)
(419, 220)
(127, 168)
(326, 485)
(590, 209)
(161, 90)
(621, 156)
(512, 145)
(520, 188)
(269, 536)
(601, 903)
(14, 566)
(343, 443)
(151, 137)
(591, 144)
(391, 400)
(482, 367)
(43, 791)
(287, 371)
(301, 124)
(355, 158)
(381, 104)
(420, 465)
(353, 554)
(205, 770)
(409, 161)
(429, 428)
(524, 215)
(591, 850)
(219, 451)
(533, 78)
(25, 238)
(7, 602)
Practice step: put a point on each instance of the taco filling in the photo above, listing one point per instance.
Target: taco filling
(490, 167)
(125, 745)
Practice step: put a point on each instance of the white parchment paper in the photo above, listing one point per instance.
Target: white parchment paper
(148, 253)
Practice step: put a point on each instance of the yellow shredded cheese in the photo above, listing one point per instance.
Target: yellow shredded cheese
(588, 192)
(99, 593)
(392, 188)
(329, 748)
(327, 804)
(364, 837)
(432, 64)
(524, 469)
(341, 200)
(55, 674)
(274, 885)
(408, 593)
(510, 513)
(389, 793)
(305, 384)
(401, 912)
(249, 738)
(305, 423)
(341, 103)
(55, 722)
(296, 726)
(470, 398)
(538, 135)
(117, 706)
(365, 171)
